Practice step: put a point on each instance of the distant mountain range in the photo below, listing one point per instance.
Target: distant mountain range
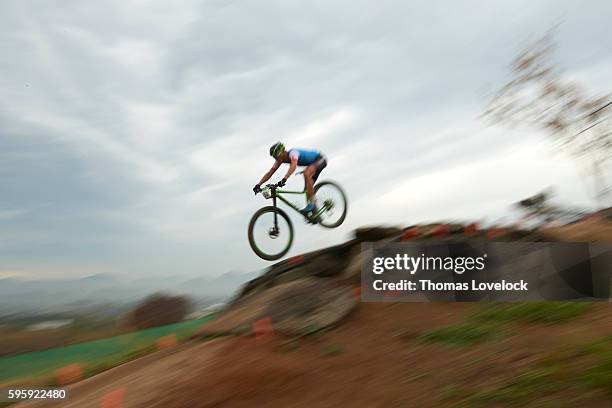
(59, 295)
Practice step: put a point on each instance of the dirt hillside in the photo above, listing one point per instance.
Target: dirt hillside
(328, 349)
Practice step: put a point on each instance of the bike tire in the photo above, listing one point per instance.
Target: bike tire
(344, 202)
(253, 244)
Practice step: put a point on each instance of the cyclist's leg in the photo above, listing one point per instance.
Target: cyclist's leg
(311, 173)
(320, 164)
(308, 180)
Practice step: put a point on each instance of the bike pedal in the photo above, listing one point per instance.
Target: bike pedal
(309, 220)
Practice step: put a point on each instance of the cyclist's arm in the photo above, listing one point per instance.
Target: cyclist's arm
(292, 167)
(270, 172)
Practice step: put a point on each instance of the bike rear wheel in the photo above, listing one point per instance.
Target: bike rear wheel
(270, 240)
(332, 202)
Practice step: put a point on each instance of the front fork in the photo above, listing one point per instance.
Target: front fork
(275, 213)
(274, 230)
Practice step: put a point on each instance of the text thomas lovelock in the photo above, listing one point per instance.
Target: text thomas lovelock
(458, 265)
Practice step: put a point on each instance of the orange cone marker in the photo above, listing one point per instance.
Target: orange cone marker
(166, 341)
(410, 233)
(113, 399)
(69, 374)
(263, 329)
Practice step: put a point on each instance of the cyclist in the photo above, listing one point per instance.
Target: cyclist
(314, 162)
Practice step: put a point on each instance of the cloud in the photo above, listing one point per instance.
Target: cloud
(11, 214)
(142, 126)
(316, 130)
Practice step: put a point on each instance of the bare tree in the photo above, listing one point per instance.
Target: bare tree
(539, 97)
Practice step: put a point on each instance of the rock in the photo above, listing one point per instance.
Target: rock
(312, 291)
(296, 308)
(376, 233)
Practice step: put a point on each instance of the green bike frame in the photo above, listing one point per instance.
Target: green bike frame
(277, 193)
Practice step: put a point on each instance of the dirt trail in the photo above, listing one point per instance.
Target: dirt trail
(140, 378)
(375, 358)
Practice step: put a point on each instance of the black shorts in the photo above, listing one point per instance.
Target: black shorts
(319, 165)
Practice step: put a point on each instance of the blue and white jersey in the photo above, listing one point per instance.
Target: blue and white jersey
(304, 157)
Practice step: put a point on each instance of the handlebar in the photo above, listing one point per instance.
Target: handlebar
(272, 187)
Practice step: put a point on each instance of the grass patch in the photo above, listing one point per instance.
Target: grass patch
(209, 337)
(94, 356)
(332, 350)
(540, 312)
(569, 377)
(523, 388)
(598, 376)
(460, 335)
(97, 368)
(453, 392)
(600, 347)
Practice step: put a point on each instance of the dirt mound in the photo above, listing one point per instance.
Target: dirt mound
(296, 307)
(302, 294)
(316, 290)
(378, 358)
(385, 354)
(594, 229)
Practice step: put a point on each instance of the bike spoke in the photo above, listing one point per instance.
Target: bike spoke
(331, 203)
(268, 238)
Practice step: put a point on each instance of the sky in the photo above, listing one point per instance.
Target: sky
(132, 132)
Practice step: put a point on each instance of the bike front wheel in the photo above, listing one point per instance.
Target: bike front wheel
(332, 201)
(270, 233)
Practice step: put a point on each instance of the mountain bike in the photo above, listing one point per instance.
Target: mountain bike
(270, 229)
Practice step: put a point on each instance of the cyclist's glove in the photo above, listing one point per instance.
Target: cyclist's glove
(257, 189)
(282, 182)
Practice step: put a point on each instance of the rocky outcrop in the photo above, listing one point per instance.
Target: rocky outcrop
(316, 290)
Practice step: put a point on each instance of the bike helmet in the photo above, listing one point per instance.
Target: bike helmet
(276, 149)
